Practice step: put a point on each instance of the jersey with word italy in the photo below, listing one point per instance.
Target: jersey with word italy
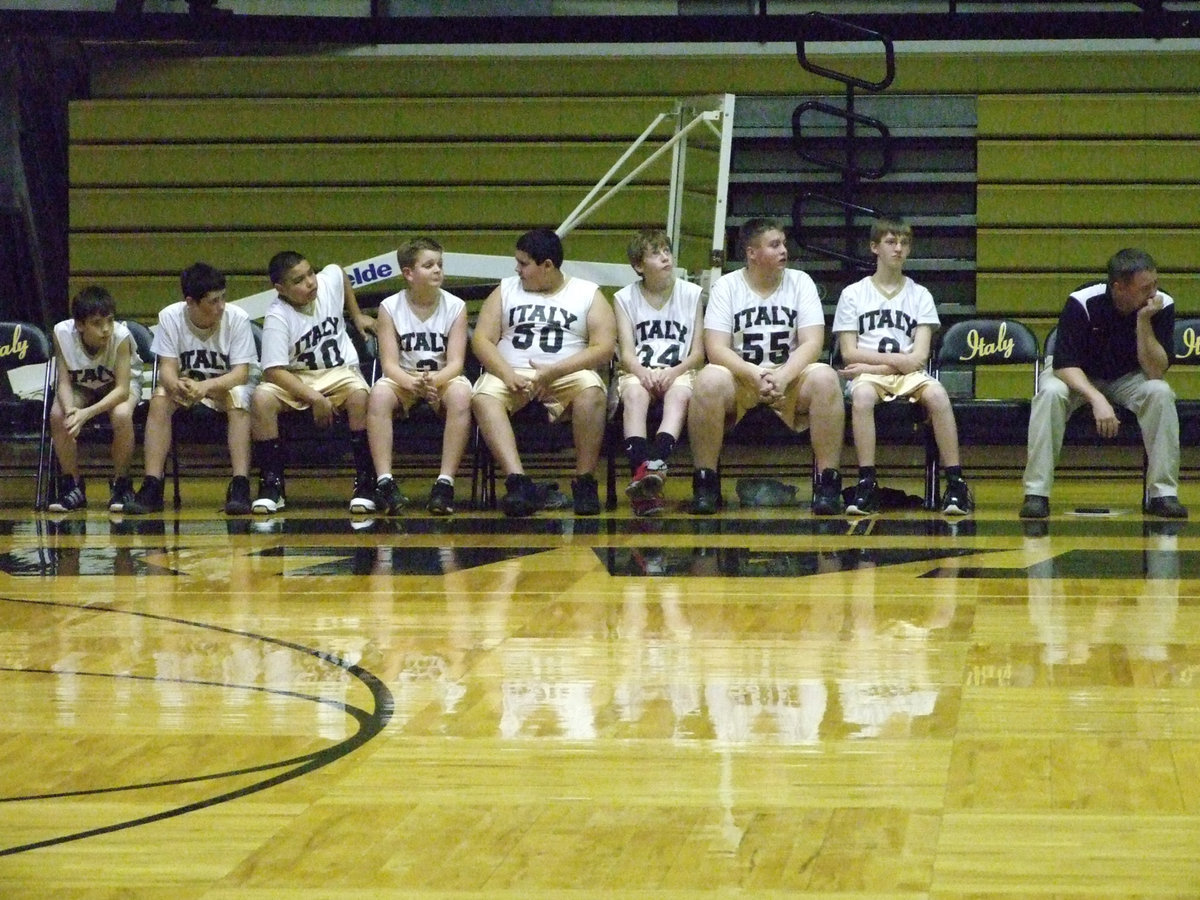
(764, 329)
(422, 341)
(313, 337)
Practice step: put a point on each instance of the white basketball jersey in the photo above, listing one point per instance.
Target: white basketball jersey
(883, 324)
(97, 371)
(205, 354)
(662, 337)
(422, 342)
(540, 328)
(311, 338)
(764, 329)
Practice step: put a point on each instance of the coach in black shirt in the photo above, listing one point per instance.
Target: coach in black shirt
(1113, 346)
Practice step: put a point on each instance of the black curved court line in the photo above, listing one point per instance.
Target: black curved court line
(370, 725)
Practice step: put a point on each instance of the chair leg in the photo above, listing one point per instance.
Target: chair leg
(175, 471)
(611, 450)
(41, 497)
(932, 469)
(1145, 477)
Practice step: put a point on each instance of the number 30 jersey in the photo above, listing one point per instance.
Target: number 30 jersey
(764, 328)
(540, 328)
(662, 337)
(313, 337)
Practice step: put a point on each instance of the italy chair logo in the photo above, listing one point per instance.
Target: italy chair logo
(16, 346)
(980, 348)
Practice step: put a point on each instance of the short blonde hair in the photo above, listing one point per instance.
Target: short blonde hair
(408, 252)
(646, 241)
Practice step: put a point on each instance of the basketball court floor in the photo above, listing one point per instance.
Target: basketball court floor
(755, 704)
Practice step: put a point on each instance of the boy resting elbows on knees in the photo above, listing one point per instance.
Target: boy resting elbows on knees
(309, 362)
(659, 326)
(98, 371)
(206, 356)
(884, 326)
(422, 334)
(764, 332)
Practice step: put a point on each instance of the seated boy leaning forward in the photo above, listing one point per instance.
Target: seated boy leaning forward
(542, 335)
(309, 362)
(206, 356)
(884, 326)
(764, 330)
(659, 322)
(99, 372)
(422, 334)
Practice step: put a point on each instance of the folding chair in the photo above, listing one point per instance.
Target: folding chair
(1187, 353)
(989, 342)
(22, 345)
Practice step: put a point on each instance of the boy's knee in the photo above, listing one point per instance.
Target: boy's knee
(864, 397)
(934, 398)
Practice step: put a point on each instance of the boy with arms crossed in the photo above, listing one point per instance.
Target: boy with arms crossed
(884, 326)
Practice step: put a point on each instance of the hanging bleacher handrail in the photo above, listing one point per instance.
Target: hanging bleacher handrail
(885, 140)
(854, 32)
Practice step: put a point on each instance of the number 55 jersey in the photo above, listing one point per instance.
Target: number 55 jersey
(764, 329)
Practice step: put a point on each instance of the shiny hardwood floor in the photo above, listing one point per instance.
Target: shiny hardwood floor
(760, 704)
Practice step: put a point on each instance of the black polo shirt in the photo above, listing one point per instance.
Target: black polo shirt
(1095, 337)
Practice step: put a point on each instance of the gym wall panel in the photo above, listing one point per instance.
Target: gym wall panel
(1092, 115)
(1043, 293)
(108, 255)
(282, 119)
(441, 162)
(1087, 205)
(1018, 250)
(626, 74)
(168, 209)
(1090, 161)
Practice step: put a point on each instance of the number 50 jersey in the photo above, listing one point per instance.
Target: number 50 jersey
(543, 327)
(313, 337)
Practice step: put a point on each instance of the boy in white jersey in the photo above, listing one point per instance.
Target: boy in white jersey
(659, 321)
(422, 333)
(205, 355)
(98, 372)
(764, 330)
(541, 336)
(309, 362)
(884, 326)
